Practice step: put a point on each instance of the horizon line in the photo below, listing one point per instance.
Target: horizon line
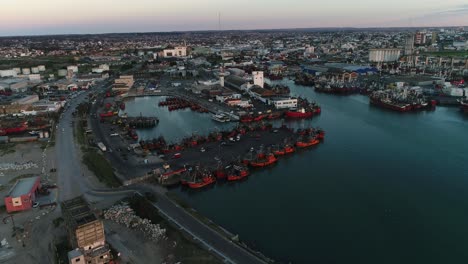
(225, 30)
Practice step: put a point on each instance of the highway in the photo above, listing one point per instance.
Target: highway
(72, 183)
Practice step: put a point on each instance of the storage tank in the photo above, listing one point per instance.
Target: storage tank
(41, 68)
(35, 70)
(62, 72)
(26, 71)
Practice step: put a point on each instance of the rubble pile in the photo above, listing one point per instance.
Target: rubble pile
(18, 166)
(123, 214)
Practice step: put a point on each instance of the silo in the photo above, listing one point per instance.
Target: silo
(26, 71)
(62, 72)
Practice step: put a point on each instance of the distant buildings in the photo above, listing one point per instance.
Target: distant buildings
(85, 233)
(384, 55)
(409, 45)
(420, 38)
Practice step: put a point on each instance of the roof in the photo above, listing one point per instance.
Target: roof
(78, 211)
(74, 254)
(235, 80)
(23, 186)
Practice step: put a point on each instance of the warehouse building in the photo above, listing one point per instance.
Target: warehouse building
(22, 195)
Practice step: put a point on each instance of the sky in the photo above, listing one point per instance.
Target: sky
(43, 17)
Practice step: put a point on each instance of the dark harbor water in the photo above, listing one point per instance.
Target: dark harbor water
(384, 187)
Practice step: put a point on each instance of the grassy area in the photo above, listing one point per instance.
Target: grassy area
(61, 251)
(57, 221)
(80, 135)
(186, 250)
(20, 177)
(7, 149)
(173, 196)
(101, 168)
(448, 53)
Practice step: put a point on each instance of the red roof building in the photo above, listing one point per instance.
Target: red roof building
(23, 194)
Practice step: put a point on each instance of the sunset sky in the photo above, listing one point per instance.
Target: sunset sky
(33, 17)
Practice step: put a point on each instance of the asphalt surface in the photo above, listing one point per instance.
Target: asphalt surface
(70, 175)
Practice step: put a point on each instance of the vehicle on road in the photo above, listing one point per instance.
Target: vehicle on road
(114, 134)
(177, 156)
(101, 146)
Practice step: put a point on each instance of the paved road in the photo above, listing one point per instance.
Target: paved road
(69, 168)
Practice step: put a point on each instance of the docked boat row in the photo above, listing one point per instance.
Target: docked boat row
(401, 100)
(343, 88)
(174, 103)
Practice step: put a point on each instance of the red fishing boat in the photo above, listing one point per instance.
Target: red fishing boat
(263, 162)
(299, 113)
(199, 182)
(307, 143)
(238, 173)
(288, 149)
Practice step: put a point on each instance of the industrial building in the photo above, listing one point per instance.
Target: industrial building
(180, 51)
(22, 195)
(85, 233)
(384, 55)
(124, 83)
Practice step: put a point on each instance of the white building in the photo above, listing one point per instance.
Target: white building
(258, 79)
(26, 71)
(73, 68)
(282, 103)
(42, 68)
(384, 55)
(34, 77)
(34, 70)
(8, 73)
(62, 73)
(180, 51)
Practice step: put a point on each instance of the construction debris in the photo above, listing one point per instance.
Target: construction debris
(124, 214)
(18, 166)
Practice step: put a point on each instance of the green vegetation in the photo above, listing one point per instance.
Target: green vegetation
(57, 221)
(186, 250)
(20, 177)
(62, 248)
(173, 196)
(101, 168)
(7, 149)
(447, 53)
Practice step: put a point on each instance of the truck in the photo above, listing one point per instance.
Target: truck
(102, 146)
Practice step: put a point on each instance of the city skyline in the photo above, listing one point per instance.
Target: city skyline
(69, 17)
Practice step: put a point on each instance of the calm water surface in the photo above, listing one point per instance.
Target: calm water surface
(383, 188)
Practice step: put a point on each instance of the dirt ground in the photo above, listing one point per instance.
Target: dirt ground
(40, 161)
